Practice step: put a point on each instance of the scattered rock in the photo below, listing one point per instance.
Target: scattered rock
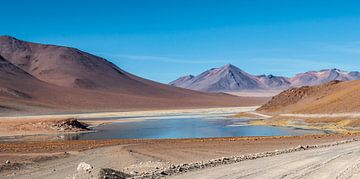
(300, 147)
(186, 167)
(164, 173)
(107, 173)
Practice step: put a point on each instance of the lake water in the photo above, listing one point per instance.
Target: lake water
(185, 126)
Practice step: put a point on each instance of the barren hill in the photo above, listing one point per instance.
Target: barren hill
(43, 78)
(332, 97)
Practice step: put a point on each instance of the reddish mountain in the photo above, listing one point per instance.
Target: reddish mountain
(331, 97)
(55, 78)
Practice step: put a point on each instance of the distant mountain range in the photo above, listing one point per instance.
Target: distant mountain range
(231, 78)
(39, 77)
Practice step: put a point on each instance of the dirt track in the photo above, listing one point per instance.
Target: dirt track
(143, 156)
(342, 161)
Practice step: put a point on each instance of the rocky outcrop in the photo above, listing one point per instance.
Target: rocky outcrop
(69, 125)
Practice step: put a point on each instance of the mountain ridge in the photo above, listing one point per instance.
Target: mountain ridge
(213, 83)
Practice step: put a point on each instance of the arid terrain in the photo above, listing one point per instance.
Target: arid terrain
(42, 79)
(48, 90)
(59, 159)
(332, 106)
(340, 161)
(332, 97)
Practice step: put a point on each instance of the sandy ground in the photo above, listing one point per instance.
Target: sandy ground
(256, 93)
(332, 115)
(134, 155)
(58, 158)
(336, 122)
(342, 161)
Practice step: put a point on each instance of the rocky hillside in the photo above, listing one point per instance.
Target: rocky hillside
(332, 97)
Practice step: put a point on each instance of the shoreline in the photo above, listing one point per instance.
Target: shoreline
(42, 124)
(335, 125)
(92, 120)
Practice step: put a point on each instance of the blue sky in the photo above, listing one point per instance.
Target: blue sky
(164, 39)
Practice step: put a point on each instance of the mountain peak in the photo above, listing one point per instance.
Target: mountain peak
(7, 38)
(228, 78)
(228, 66)
(332, 69)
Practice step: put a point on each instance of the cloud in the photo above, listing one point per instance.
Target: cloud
(352, 47)
(162, 59)
(292, 66)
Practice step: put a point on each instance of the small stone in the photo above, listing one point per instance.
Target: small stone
(7, 162)
(163, 173)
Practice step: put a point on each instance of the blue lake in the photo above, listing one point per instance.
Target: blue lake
(186, 127)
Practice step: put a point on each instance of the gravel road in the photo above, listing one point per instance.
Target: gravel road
(342, 161)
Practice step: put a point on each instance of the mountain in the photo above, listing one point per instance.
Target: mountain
(320, 77)
(274, 82)
(331, 97)
(43, 78)
(63, 66)
(226, 78)
(231, 78)
(182, 81)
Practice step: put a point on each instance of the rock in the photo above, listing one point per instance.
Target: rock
(133, 172)
(84, 167)
(300, 147)
(7, 162)
(112, 174)
(164, 173)
(70, 125)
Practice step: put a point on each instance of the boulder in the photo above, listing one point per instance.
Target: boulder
(84, 167)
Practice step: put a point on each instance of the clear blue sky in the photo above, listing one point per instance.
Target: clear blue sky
(164, 39)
